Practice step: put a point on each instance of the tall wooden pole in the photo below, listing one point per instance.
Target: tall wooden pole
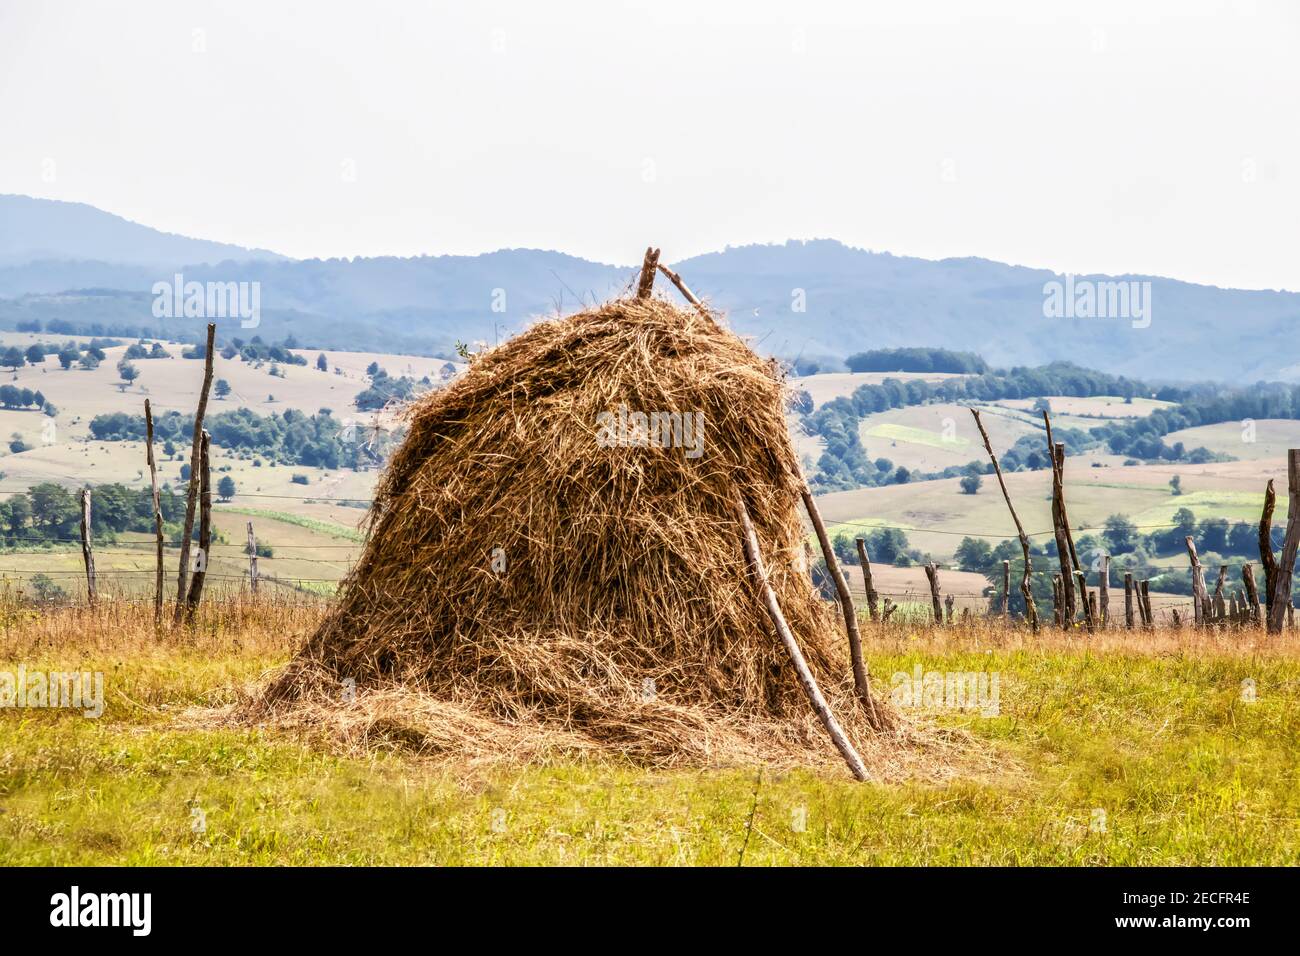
(1031, 611)
(1277, 612)
(205, 529)
(191, 498)
(754, 558)
(157, 515)
(87, 555)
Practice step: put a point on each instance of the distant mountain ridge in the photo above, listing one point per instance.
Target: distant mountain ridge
(34, 230)
(810, 298)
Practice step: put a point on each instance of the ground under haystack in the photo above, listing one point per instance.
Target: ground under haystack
(540, 576)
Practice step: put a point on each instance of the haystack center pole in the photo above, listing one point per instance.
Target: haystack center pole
(861, 682)
(648, 267)
(1031, 612)
(157, 514)
(755, 559)
(191, 499)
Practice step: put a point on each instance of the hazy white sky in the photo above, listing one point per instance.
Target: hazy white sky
(1114, 137)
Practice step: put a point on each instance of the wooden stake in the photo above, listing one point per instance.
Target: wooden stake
(252, 559)
(1198, 584)
(861, 681)
(1006, 589)
(755, 560)
(1031, 611)
(1089, 600)
(1252, 592)
(1267, 563)
(86, 554)
(1220, 608)
(648, 268)
(1128, 600)
(1103, 587)
(205, 528)
(1147, 619)
(1058, 600)
(191, 498)
(932, 573)
(1281, 604)
(948, 602)
(866, 579)
(157, 515)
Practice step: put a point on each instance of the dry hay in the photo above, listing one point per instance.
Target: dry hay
(624, 622)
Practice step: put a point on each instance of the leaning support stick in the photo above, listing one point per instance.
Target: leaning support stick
(861, 681)
(755, 560)
(1031, 612)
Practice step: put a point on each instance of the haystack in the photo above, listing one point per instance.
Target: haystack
(553, 557)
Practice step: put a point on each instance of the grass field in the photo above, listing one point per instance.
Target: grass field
(1119, 750)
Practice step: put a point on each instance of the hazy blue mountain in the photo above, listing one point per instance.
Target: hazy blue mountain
(32, 230)
(852, 299)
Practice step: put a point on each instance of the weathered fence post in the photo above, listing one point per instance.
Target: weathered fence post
(1252, 592)
(1031, 610)
(205, 528)
(252, 559)
(1006, 589)
(1128, 600)
(1058, 600)
(932, 573)
(948, 603)
(1198, 584)
(1266, 560)
(157, 515)
(1281, 590)
(867, 584)
(1103, 587)
(1148, 620)
(1220, 608)
(191, 498)
(823, 711)
(86, 554)
(1088, 600)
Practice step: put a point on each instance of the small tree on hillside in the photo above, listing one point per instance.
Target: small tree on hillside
(322, 363)
(226, 488)
(971, 484)
(128, 372)
(223, 388)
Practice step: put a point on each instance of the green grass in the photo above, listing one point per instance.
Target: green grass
(916, 436)
(1186, 771)
(311, 524)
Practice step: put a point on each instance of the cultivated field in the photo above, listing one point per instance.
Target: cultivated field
(1170, 748)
